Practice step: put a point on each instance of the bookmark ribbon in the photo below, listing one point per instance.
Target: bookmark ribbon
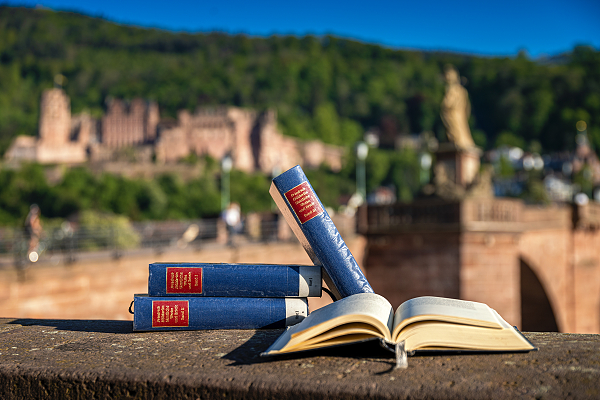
(401, 356)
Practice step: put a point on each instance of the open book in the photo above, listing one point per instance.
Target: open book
(422, 323)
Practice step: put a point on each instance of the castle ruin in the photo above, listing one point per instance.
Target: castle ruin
(249, 137)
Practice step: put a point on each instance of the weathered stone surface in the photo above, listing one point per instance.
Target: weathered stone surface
(70, 359)
(521, 260)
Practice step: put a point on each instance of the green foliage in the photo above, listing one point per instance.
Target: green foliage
(166, 197)
(506, 138)
(479, 138)
(398, 169)
(251, 191)
(107, 230)
(322, 87)
(405, 174)
(327, 123)
(20, 189)
(505, 168)
(197, 198)
(332, 188)
(583, 179)
(534, 191)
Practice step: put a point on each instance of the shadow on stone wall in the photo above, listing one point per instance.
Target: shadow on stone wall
(536, 312)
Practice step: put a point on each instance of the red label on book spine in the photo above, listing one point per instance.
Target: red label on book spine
(304, 202)
(184, 280)
(170, 313)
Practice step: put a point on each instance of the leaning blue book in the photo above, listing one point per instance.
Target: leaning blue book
(233, 280)
(317, 233)
(196, 313)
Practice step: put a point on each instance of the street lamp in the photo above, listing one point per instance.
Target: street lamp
(362, 150)
(226, 164)
(425, 163)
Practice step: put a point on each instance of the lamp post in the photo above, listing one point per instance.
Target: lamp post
(226, 164)
(425, 163)
(362, 150)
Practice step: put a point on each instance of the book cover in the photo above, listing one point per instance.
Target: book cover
(233, 280)
(197, 313)
(319, 236)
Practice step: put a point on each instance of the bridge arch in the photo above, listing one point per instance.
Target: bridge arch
(537, 314)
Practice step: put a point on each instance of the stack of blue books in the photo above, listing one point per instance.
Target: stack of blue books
(250, 296)
(191, 296)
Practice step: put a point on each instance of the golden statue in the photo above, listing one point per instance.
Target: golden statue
(456, 110)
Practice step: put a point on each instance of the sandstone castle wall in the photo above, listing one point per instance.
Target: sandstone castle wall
(250, 138)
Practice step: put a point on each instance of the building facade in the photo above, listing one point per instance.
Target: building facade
(249, 137)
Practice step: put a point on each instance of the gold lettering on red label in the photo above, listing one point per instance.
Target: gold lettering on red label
(184, 280)
(170, 313)
(304, 202)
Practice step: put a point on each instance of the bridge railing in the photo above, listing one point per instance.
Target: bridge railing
(440, 215)
(401, 216)
(71, 241)
(587, 216)
(475, 214)
(68, 242)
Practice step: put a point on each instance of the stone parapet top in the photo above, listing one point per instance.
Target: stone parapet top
(106, 359)
(472, 215)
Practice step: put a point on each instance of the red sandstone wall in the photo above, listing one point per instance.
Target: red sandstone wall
(55, 118)
(122, 127)
(103, 289)
(402, 266)
(172, 145)
(490, 272)
(548, 255)
(243, 122)
(586, 270)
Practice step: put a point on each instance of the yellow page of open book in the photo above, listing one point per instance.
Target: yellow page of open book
(423, 323)
(354, 318)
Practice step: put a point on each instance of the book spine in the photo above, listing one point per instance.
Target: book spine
(233, 280)
(314, 228)
(197, 313)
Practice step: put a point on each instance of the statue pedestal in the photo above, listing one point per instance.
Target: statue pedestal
(461, 165)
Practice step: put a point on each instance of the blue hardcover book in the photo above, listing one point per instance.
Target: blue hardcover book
(195, 313)
(313, 227)
(233, 280)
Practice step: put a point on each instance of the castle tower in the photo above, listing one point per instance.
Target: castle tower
(151, 121)
(267, 144)
(125, 126)
(244, 122)
(55, 128)
(55, 118)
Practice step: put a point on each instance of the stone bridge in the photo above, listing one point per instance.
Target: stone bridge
(99, 286)
(539, 267)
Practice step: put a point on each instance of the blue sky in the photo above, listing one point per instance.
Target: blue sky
(481, 27)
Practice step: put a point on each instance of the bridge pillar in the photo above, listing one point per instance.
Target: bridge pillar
(464, 249)
(541, 262)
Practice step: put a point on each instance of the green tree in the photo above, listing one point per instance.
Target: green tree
(509, 139)
(327, 125)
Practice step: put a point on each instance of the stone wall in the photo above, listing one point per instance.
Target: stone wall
(62, 139)
(249, 137)
(102, 288)
(489, 272)
(404, 266)
(548, 254)
(586, 281)
(539, 263)
(55, 118)
(126, 125)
